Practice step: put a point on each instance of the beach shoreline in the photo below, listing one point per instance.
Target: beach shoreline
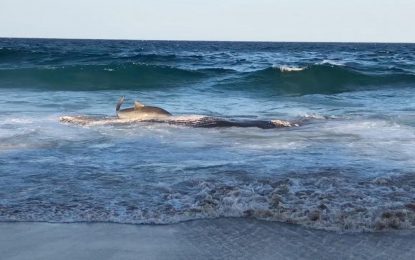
(224, 238)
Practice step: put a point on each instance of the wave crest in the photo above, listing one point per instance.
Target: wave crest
(285, 68)
(319, 79)
(313, 79)
(98, 77)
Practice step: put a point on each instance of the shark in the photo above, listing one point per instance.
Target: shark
(140, 111)
(151, 114)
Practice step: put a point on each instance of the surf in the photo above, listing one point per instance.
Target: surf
(312, 79)
(151, 114)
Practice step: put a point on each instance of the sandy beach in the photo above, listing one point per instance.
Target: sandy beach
(227, 238)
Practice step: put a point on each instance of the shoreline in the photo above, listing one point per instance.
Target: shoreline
(223, 238)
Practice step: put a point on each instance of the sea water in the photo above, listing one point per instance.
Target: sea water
(349, 167)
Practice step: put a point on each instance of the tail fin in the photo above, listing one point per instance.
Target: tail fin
(117, 108)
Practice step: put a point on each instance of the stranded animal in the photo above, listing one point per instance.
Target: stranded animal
(152, 114)
(140, 111)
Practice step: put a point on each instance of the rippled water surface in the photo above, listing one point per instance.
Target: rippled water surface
(350, 166)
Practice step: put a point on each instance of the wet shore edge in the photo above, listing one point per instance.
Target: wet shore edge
(223, 238)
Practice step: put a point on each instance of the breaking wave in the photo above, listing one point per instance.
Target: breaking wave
(348, 167)
(325, 200)
(319, 78)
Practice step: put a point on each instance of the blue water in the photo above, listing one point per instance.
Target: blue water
(351, 166)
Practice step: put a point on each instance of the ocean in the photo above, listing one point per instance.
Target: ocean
(349, 167)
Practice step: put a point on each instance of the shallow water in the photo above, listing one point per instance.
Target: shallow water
(350, 167)
(223, 238)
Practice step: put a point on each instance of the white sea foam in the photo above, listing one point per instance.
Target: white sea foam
(331, 198)
(327, 200)
(17, 120)
(286, 68)
(331, 62)
(374, 139)
(316, 116)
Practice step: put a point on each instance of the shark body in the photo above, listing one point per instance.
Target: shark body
(140, 112)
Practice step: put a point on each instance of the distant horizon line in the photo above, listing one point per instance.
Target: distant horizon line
(241, 41)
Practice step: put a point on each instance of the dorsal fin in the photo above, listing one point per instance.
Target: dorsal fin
(138, 104)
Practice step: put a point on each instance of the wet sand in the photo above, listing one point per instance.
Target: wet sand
(202, 239)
